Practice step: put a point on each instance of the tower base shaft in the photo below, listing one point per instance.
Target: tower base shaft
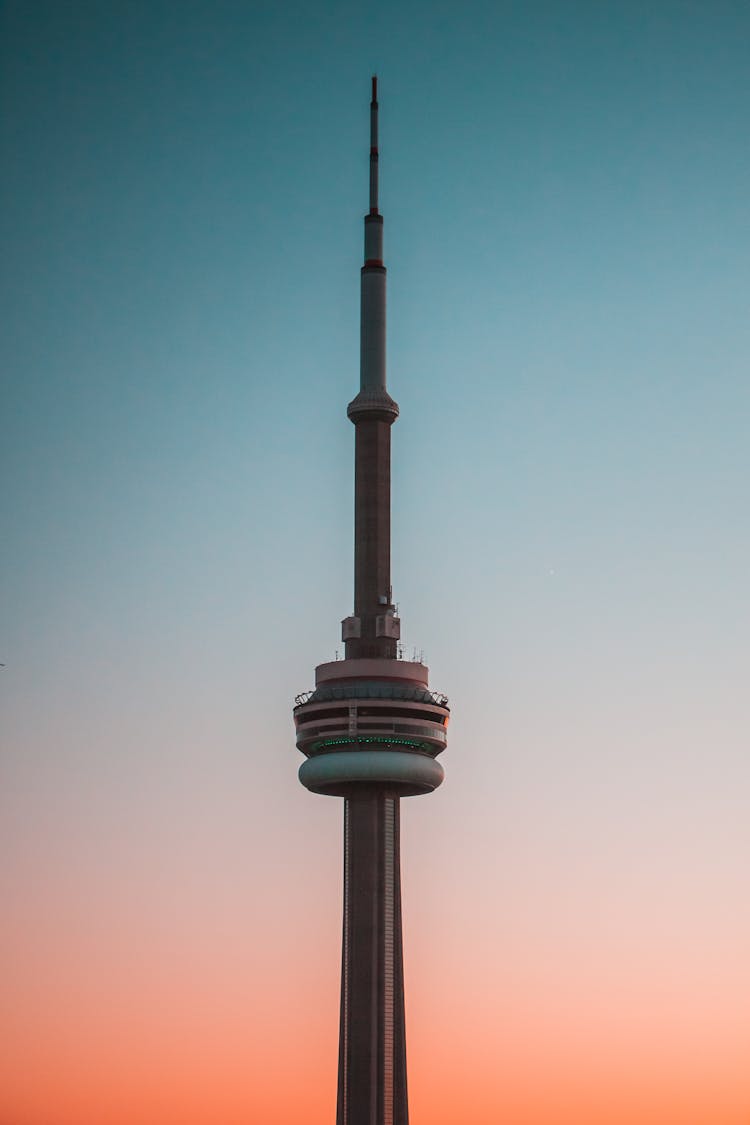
(372, 1050)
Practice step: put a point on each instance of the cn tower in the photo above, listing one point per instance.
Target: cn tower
(371, 732)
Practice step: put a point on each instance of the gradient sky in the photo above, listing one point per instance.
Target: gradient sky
(565, 190)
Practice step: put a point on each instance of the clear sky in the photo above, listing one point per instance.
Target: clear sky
(565, 190)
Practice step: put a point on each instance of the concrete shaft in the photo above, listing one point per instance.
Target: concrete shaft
(372, 536)
(372, 1043)
(372, 326)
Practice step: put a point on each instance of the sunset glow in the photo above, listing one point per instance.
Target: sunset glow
(568, 260)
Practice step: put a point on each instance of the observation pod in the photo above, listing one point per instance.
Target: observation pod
(371, 722)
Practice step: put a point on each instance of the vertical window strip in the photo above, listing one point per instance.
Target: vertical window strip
(388, 912)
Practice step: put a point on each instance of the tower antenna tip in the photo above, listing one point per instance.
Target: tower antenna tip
(374, 87)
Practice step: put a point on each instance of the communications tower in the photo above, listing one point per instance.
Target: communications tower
(371, 732)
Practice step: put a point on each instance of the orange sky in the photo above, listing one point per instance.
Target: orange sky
(185, 1033)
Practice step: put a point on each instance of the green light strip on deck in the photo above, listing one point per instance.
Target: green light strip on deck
(386, 741)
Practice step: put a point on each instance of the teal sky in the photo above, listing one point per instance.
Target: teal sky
(565, 191)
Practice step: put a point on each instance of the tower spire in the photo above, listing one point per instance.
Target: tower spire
(374, 147)
(373, 630)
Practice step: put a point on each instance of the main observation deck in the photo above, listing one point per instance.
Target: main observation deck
(371, 721)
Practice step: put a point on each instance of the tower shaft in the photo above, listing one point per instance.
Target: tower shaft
(372, 1042)
(372, 536)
